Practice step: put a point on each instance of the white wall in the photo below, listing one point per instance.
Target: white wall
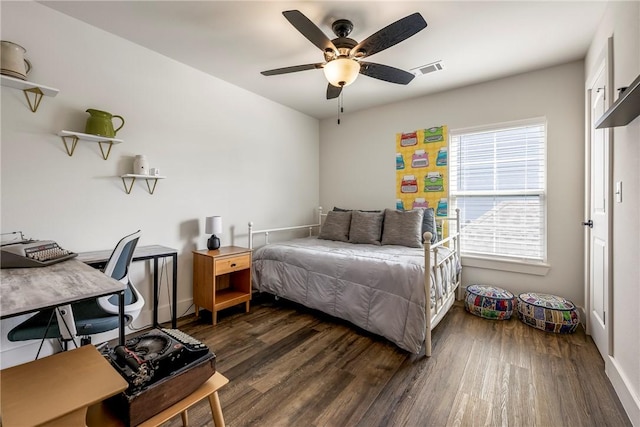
(225, 151)
(222, 149)
(622, 21)
(357, 160)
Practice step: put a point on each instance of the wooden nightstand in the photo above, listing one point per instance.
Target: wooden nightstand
(221, 279)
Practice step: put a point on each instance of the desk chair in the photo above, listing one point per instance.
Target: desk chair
(92, 316)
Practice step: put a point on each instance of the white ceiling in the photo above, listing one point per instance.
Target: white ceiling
(235, 40)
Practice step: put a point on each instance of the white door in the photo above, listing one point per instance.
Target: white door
(598, 258)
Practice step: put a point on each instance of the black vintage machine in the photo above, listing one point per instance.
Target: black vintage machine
(162, 366)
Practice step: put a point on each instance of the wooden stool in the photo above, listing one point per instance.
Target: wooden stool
(58, 390)
(101, 416)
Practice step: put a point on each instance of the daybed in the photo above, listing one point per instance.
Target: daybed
(379, 285)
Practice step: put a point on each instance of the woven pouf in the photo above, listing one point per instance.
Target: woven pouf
(489, 302)
(547, 312)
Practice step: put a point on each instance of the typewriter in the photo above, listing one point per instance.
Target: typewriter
(162, 366)
(152, 356)
(33, 253)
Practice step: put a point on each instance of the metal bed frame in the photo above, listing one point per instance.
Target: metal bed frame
(442, 303)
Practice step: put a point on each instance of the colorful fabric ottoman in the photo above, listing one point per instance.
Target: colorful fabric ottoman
(489, 302)
(547, 312)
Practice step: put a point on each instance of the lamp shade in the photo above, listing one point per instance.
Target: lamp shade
(213, 225)
(341, 71)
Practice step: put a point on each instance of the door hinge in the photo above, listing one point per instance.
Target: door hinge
(588, 223)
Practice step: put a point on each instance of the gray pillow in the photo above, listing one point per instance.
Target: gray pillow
(366, 227)
(402, 228)
(336, 226)
(429, 224)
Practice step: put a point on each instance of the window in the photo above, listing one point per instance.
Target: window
(498, 182)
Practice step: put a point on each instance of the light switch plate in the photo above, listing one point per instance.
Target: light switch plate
(619, 191)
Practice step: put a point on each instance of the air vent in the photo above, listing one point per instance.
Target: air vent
(429, 68)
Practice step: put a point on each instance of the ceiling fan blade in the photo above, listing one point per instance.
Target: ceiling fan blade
(390, 35)
(293, 69)
(386, 73)
(333, 91)
(309, 30)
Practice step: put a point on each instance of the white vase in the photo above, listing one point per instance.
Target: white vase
(141, 165)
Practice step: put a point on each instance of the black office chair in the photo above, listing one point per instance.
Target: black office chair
(92, 316)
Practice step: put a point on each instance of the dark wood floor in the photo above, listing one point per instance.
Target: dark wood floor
(289, 366)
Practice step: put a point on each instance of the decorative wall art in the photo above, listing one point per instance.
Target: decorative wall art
(421, 171)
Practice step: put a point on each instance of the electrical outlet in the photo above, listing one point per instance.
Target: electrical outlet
(619, 191)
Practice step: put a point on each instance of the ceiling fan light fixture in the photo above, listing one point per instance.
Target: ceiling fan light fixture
(341, 71)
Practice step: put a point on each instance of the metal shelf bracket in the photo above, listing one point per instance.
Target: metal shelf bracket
(37, 97)
(74, 143)
(105, 156)
(124, 182)
(132, 177)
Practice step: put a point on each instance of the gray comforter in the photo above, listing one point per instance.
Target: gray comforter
(378, 288)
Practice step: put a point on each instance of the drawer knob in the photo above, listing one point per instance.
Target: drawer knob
(233, 265)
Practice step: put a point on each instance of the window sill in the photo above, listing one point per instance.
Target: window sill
(537, 269)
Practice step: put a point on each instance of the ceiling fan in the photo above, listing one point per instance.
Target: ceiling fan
(343, 56)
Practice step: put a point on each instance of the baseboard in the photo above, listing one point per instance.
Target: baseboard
(145, 319)
(630, 401)
(583, 317)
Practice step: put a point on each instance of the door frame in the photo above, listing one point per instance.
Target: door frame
(606, 55)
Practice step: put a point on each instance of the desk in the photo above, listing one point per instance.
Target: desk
(25, 290)
(57, 389)
(98, 259)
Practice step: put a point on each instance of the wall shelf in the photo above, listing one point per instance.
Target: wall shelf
(74, 137)
(624, 110)
(147, 178)
(35, 89)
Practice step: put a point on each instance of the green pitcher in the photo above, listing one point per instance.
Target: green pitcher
(100, 123)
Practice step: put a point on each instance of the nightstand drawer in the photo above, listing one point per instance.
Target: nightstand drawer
(235, 263)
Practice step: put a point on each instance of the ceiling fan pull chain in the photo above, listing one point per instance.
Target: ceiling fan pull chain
(340, 106)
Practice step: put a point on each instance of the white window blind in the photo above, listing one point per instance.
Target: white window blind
(498, 182)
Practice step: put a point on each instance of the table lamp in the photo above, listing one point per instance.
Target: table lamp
(213, 226)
